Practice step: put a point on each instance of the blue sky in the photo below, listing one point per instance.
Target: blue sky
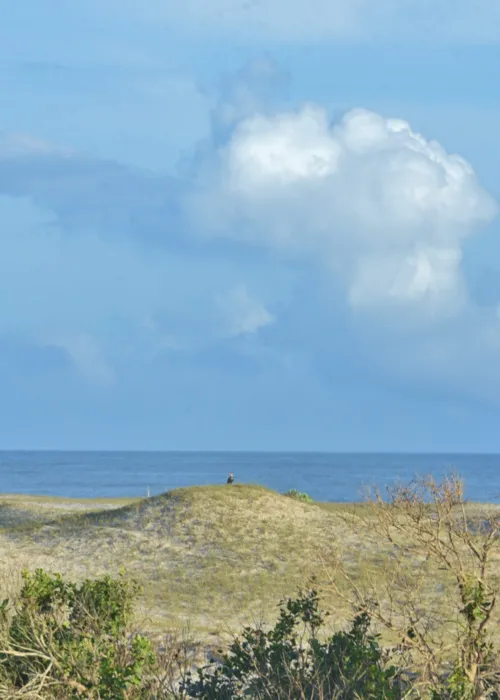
(250, 225)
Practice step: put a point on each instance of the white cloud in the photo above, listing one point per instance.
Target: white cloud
(428, 273)
(243, 315)
(281, 151)
(386, 210)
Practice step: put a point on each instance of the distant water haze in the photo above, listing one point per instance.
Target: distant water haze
(324, 476)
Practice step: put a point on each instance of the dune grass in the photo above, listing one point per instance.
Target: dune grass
(22, 510)
(211, 558)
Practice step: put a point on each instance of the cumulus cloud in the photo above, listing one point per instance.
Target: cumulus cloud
(247, 92)
(385, 209)
(381, 210)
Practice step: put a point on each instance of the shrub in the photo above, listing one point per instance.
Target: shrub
(441, 609)
(289, 661)
(72, 639)
(299, 496)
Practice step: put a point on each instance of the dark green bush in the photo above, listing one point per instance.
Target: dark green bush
(289, 661)
(73, 638)
(62, 640)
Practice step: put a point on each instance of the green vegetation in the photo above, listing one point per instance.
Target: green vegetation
(408, 584)
(290, 661)
(66, 640)
(63, 640)
(299, 495)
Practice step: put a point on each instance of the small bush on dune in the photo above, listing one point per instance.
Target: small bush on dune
(299, 496)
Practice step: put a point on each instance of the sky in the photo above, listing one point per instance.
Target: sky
(250, 225)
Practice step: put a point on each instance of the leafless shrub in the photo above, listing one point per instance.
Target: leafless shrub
(431, 583)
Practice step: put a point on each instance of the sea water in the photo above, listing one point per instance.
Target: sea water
(324, 476)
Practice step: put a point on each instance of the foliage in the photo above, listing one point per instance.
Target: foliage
(290, 661)
(299, 496)
(64, 635)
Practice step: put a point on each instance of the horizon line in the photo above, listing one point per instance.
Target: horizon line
(251, 451)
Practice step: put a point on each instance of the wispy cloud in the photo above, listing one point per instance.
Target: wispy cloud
(87, 193)
(86, 356)
(18, 146)
(243, 314)
(315, 20)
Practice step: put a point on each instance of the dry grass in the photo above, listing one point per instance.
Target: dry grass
(23, 510)
(212, 557)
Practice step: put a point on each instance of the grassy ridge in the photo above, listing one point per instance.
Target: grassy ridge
(213, 557)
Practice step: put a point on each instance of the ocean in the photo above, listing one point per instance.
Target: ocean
(324, 476)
